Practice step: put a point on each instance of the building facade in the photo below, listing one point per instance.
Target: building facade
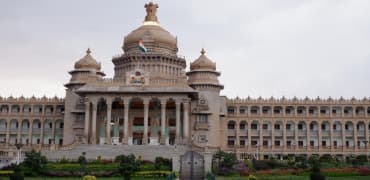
(152, 101)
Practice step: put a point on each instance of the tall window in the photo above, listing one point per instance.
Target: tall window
(203, 119)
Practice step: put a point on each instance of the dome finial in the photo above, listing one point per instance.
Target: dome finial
(88, 51)
(203, 51)
(151, 12)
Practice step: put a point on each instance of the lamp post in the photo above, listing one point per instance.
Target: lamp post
(19, 151)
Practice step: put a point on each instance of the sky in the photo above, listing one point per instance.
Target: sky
(262, 47)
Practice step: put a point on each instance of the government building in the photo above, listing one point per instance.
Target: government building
(153, 107)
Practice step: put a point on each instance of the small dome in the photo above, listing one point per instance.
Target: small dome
(202, 62)
(87, 62)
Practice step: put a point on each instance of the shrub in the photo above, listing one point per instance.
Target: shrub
(89, 177)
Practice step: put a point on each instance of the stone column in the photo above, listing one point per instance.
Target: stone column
(319, 135)
(331, 136)
(308, 134)
(163, 121)
(146, 112)
(249, 125)
(343, 126)
(109, 118)
(284, 135)
(42, 132)
(30, 132)
(272, 134)
(19, 132)
(237, 134)
(178, 108)
(186, 120)
(94, 111)
(53, 132)
(126, 103)
(366, 133)
(296, 132)
(355, 135)
(7, 136)
(87, 121)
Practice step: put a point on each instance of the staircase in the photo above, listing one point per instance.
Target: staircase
(109, 152)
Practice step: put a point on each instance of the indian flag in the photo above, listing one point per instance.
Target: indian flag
(142, 47)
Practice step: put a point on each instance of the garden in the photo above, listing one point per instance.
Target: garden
(225, 166)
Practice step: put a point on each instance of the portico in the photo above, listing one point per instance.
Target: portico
(136, 120)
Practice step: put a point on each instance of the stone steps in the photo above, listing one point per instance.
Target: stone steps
(147, 152)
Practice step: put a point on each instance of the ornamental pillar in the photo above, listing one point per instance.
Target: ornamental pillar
(87, 121)
(163, 121)
(146, 112)
(94, 111)
(109, 118)
(126, 103)
(186, 120)
(178, 108)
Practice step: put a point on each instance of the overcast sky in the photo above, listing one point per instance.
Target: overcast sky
(262, 48)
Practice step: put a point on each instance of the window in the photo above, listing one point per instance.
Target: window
(334, 126)
(323, 111)
(277, 143)
(277, 111)
(61, 125)
(254, 111)
(311, 126)
(311, 111)
(312, 143)
(254, 126)
(300, 143)
(335, 143)
(265, 143)
(288, 126)
(300, 111)
(347, 143)
(203, 119)
(287, 111)
(230, 110)
(289, 143)
(334, 111)
(300, 126)
(242, 142)
(242, 111)
(230, 125)
(230, 142)
(277, 126)
(242, 126)
(346, 127)
(323, 143)
(254, 143)
(202, 138)
(264, 126)
(323, 127)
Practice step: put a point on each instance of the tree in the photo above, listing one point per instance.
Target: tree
(127, 165)
(224, 162)
(35, 161)
(82, 160)
(17, 175)
(315, 169)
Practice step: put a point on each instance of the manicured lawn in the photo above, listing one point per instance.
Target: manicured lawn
(295, 178)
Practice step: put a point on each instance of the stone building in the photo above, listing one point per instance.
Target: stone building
(152, 106)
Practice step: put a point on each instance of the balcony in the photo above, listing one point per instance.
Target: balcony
(255, 132)
(201, 126)
(302, 132)
(25, 130)
(266, 133)
(361, 133)
(289, 132)
(337, 133)
(349, 132)
(325, 133)
(243, 132)
(278, 133)
(314, 132)
(231, 132)
(60, 131)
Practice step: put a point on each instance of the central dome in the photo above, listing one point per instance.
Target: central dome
(153, 37)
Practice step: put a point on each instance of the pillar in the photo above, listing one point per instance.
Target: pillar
(53, 132)
(296, 132)
(94, 111)
(178, 106)
(355, 134)
(331, 135)
(319, 135)
(126, 103)
(273, 134)
(186, 120)
(7, 136)
(109, 118)
(163, 121)
(308, 134)
(237, 134)
(343, 125)
(42, 131)
(146, 112)
(284, 135)
(30, 132)
(87, 121)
